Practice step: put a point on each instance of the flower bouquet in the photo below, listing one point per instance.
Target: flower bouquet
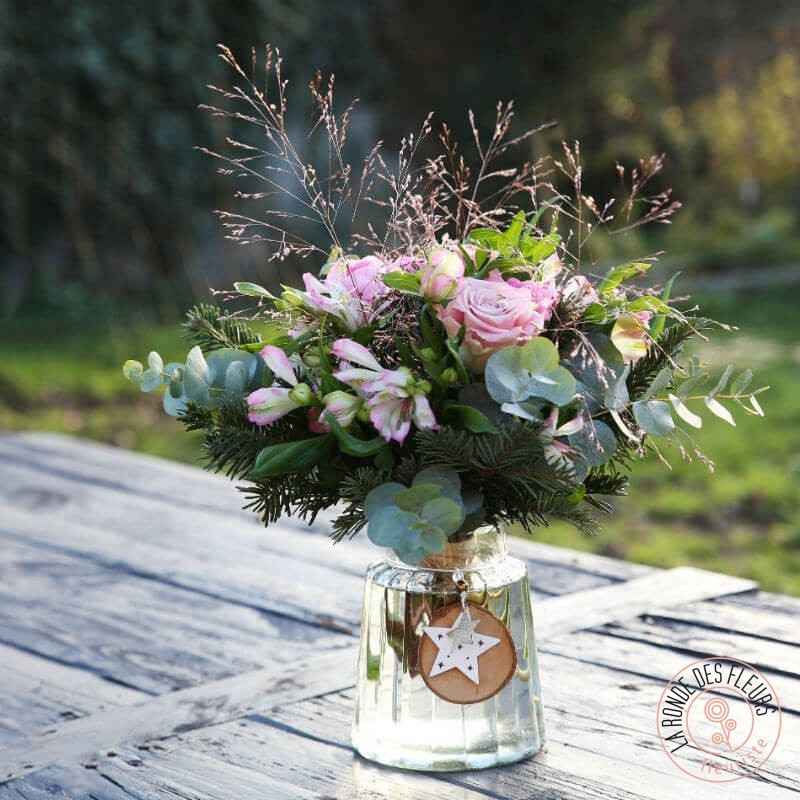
(457, 369)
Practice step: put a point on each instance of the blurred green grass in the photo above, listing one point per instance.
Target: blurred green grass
(743, 520)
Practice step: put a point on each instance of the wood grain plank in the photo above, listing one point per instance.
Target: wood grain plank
(197, 707)
(601, 744)
(142, 633)
(38, 694)
(227, 758)
(659, 661)
(560, 615)
(63, 782)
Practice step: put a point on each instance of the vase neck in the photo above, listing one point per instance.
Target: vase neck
(476, 549)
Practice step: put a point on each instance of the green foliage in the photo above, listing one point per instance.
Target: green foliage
(416, 521)
(517, 377)
(207, 326)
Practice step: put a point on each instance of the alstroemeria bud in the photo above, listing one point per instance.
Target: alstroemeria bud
(363, 414)
(427, 353)
(438, 281)
(312, 359)
(301, 394)
(423, 387)
(449, 376)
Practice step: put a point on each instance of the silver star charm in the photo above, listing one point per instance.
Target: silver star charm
(462, 632)
(456, 651)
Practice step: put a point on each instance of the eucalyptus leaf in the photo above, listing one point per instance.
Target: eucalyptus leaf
(236, 377)
(660, 382)
(596, 443)
(196, 377)
(132, 370)
(684, 413)
(719, 410)
(150, 381)
(155, 362)
(174, 406)
(414, 499)
(739, 386)
(444, 514)
(390, 526)
(617, 395)
(381, 497)
(653, 417)
(723, 381)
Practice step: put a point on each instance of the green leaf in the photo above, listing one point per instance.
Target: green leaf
(281, 459)
(617, 396)
(657, 324)
(155, 362)
(660, 382)
(620, 274)
(472, 419)
(132, 370)
(540, 249)
(690, 383)
(719, 410)
(516, 374)
(463, 375)
(596, 443)
(352, 445)
(251, 289)
(414, 499)
(594, 313)
(382, 496)
(511, 237)
(723, 381)
(174, 406)
(433, 332)
(486, 238)
(443, 513)
(236, 377)
(392, 527)
(653, 417)
(196, 377)
(402, 281)
(151, 381)
(741, 383)
(683, 412)
(446, 479)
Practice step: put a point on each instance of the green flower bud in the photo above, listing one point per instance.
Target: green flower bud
(302, 394)
(427, 353)
(423, 387)
(312, 359)
(363, 413)
(449, 376)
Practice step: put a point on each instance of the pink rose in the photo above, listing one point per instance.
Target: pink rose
(439, 279)
(496, 314)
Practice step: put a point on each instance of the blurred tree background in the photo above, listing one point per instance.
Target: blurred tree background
(106, 230)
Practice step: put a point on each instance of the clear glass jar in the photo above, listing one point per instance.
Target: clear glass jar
(399, 721)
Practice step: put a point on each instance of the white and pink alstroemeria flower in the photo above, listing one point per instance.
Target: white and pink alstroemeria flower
(279, 364)
(352, 290)
(392, 415)
(366, 366)
(269, 404)
(391, 394)
(559, 454)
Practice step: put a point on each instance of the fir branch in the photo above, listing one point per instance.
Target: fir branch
(663, 353)
(207, 326)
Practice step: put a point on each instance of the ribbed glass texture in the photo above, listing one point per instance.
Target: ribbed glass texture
(399, 721)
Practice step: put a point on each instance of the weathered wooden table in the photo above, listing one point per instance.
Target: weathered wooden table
(155, 641)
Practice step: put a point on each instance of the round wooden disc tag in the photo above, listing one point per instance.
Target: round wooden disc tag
(466, 657)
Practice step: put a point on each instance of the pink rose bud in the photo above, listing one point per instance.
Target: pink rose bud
(438, 281)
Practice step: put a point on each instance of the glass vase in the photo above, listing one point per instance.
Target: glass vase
(398, 720)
